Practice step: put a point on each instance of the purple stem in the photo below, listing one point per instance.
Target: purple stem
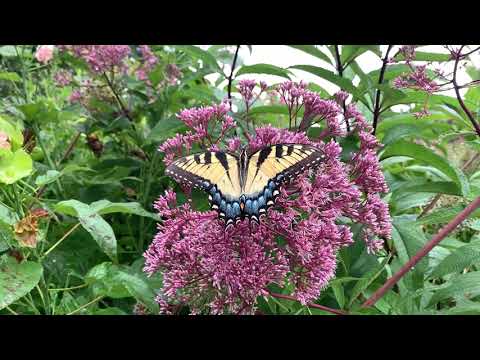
(423, 252)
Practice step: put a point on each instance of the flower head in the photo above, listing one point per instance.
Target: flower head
(100, 58)
(4, 141)
(44, 53)
(215, 270)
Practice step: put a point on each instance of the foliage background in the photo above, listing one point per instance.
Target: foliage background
(94, 168)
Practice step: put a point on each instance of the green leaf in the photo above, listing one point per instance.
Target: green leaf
(15, 166)
(8, 51)
(203, 55)
(367, 280)
(269, 109)
(351, 52)
(464, 285)
(48, 178)
(314, 51)
(109, 311)
(10, 76)
(444, 215)
(408, 239)
(342, 82)
(17, 280)
(116, 281)
(458, 260)
(92, 222)
(103, 207)
(263, 69)
(13, 131)
(426, 56)
(424, 154)
(7, 216)
(438, 187)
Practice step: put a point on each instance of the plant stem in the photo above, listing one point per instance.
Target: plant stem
(456, 87)
(13, 312)
(67, 153)
(376, 109)
(423, 252)
(70, 147)
(340, 69)
(118, 98)
(230, 78)
(312, 305)
(86, 305)
(59, 241)
(47, 156)
(70, 288)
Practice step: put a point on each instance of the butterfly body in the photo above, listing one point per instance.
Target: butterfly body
(244, 186)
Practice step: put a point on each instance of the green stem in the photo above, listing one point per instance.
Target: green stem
(13, 312)
(59, 241)
(24, 76)
(70, 288)
(47, 156)
(18, 202)
(86, 305)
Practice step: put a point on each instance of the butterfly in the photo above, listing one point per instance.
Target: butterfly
(244, 186)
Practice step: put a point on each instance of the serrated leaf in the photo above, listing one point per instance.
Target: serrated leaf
(464, 285)
(408, 239)
(201, 54)
(17, 280)
(314, 51)
(263, 69)
(342, 82)
(458, 260)
(424, 154)
(269, 109)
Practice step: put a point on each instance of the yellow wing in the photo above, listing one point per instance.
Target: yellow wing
(206, 170)
(278, 163)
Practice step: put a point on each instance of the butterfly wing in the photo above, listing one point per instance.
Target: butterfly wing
(215, 172)
(272, 166)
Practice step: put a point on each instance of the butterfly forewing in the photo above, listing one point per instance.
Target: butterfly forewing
(237, 191)
(279, 163)
(208, 169)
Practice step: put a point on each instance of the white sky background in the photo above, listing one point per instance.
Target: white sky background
(285, 56)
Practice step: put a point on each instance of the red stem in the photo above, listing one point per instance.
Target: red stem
(423, 252)
(316, 306)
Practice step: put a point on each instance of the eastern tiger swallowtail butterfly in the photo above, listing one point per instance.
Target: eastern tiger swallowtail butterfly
(244, 186)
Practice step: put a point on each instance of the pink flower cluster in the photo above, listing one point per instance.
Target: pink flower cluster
(204, 122)
(62, 78)
(315, 109)
(149, 60)
(210, 269)
(246, 87)
(173, 73)
(44, 53)
(100, 58)
(4, 141)
(418, 79)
